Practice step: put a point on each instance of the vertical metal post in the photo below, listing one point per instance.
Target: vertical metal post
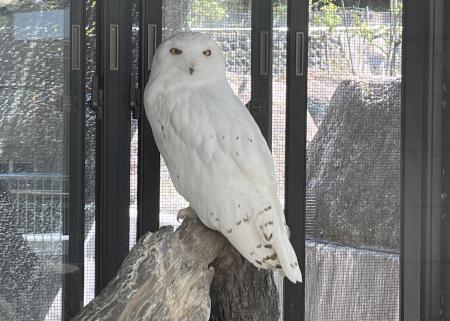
(445, 213)
(261, 62)
(420, 286)
(297, 49)
(72, 104)
(113, 139)
(148, 154)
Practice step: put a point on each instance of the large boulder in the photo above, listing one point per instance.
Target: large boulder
(353, 167)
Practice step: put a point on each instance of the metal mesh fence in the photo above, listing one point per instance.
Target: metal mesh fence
(279, 108)
(90, 153)
(353, 163)
(134, 53)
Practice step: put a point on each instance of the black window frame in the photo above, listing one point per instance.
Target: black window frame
(421, 168)
(73, 107)
(113, 139)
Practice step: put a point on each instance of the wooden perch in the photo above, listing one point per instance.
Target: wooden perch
(169, 276)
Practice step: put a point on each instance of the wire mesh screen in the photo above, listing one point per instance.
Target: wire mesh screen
(279, 107)
(134, 54)
(90, 148)
(353, 161)
(34, 51)
(229, 23)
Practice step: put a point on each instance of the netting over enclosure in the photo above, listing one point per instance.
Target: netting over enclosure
(353, 162)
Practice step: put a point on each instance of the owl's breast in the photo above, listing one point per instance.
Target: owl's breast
(182, 130)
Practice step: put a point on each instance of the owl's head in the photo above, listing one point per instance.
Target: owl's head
(189, 58)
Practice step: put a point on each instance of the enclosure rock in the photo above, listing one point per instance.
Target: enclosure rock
(353, 168)
(167, 277)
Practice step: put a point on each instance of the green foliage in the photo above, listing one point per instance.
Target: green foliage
(362, 26)
(326, 13)
(280, 8)
(206, 10)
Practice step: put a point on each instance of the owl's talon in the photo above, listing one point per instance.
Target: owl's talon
(183, 213)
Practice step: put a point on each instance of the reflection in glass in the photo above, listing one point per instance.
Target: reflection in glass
(34, 51)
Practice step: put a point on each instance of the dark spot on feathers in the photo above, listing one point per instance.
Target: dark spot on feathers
(273, 257)
(246, 219)
(250, 140)
(252, 253)
(259, 262)
(268, 208)
(239, 205)
(212, 214)
(223, 137)
(237, 137)
(178, 176)
(217, 219)
(278, 266)
(238, 222)
(268, 238)
(258, 246)
(268, 246)
(230, 230)
(295, 264)
(237, 154)
(268, 223)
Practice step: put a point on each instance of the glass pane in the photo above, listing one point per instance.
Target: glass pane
(90, 161)
(353, 161)
(279, 107)
(34, 78)
(229, 23)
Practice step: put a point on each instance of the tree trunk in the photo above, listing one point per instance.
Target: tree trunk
(168, 275)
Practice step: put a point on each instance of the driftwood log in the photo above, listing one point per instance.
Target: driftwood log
(191, 274)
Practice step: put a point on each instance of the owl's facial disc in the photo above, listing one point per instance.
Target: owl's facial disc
(189, 59)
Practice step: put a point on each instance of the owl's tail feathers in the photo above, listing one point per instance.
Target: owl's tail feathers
(287, 257)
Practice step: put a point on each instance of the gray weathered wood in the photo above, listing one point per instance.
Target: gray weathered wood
(239, 292)
(167, 277)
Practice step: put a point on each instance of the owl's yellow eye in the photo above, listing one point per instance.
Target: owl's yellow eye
(175, 51)
(207, 52)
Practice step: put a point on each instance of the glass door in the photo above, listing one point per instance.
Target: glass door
(36, 117)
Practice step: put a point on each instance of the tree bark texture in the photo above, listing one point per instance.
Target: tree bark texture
(169, 275)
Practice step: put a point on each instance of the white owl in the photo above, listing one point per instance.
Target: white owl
(217, 157)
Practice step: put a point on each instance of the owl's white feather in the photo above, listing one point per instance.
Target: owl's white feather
(216, 155)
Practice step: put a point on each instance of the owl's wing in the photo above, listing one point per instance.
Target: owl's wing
(238, 135)
(234, 152)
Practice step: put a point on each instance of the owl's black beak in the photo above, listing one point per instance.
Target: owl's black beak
(191, 70)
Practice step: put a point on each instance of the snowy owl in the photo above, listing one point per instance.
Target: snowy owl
(217, 157)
